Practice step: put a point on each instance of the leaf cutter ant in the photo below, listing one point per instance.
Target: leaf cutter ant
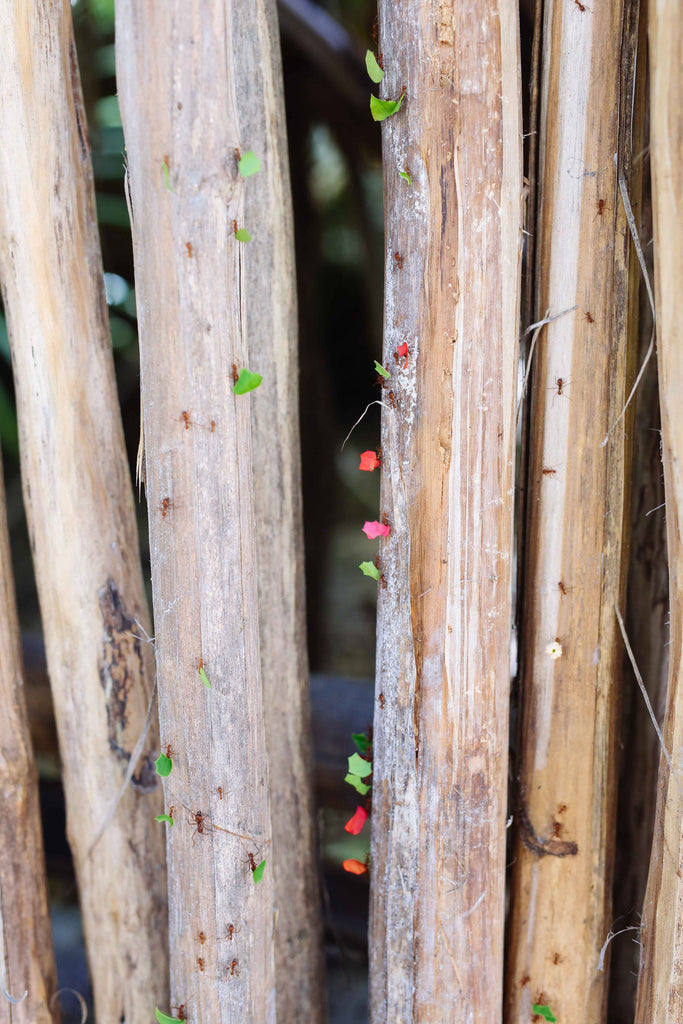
(399, 260)
(200, 963)
(582, 7)
(589, 318)
(185, 417)
(600, 205)
(201, 937)
(180, 1010)
(190, 249)
(233, 969)
(547, 471)
(231, 932)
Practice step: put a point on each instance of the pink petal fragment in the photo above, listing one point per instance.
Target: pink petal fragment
(354, 867)
(369, 461)
(375, 529)
(355, 824)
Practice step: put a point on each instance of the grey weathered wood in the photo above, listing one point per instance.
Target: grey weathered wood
(577, 529)
(660, 987)
(270, 325)
(443, 667)
(27, 962)
(197, 83)
(79, 504)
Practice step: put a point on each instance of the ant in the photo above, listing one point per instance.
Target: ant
(232, 931)
(190, 249)
(220, 792)
(392, 399)
(557, 959)
(238, 157)
(169, 751)
(204, 826)
(557, 829)
(380, 60)
(185, 416)
(166, 504)
(200, 963)
(589, 318)
(235, 373)
(383, 582)
(213, 426)
(561, 808)
(180, 1010)
(600, 205)
(374, 30)
(252, 863)
(382, 701)
(582, 7)
(561, 385)
(399, 260)
(202, 937)
(547, 471)
(233, 968)
(171, 810)
(563, 589)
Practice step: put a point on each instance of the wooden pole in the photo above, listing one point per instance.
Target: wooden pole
(578, 505)
(452, 279)
(199, 88)
(27, 969)
(79, 505)
(660, 987)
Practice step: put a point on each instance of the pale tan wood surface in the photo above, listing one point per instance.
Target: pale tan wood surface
(188, 74)
(660, 988)
(28, 963)
(270, 325)
(79, 505)
(453, 248)
(577, 506)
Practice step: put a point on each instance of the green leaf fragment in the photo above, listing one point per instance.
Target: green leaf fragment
(369, 569)
(382, 109)
(167, 176)
(359, 766)
(163, 1018)
(405, 176)
(164, 817)
(381, 370)
(257, 873)
(545, 1012)
(204, 678)
(360, 786)
(361, 741)
(249, 164)
(374, 70)
(246, 381)
(163, 765)
(242, 235)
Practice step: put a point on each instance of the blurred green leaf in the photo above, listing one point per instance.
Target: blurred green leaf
(360, 786)
(163, 765)
(359, 766)
(361, 741)
(257, 873)
(107, 112)
(249, 164)
(369, 569)
(204, 678)
(164, 817)
(381, 371)
(242, 235)
(246, 381)
(374, 70)
(382, 109)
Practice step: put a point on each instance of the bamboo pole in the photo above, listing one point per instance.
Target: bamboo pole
(453, 250)
(199, 87)
(79, 505)
(577, 526)
(660, 987)
(27, 966)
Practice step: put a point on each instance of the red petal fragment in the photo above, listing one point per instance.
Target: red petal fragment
(402, 350)
(369, 461)
(354, 867)
(375, 529)
(355, 824)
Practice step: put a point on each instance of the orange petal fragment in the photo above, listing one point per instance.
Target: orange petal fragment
(355, 824)
(354, 867)
(369, 461)
(375, 529)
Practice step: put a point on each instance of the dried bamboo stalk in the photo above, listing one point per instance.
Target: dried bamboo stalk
(197, 86)
(578, 525)
(27, 967)
(453, 250)
(660, 987)
(79, 505)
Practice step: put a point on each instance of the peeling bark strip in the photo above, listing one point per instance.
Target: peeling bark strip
(440, 739)
(78, 497)
(27, 963)
(578, 519)
(660, 986)
(197, 86)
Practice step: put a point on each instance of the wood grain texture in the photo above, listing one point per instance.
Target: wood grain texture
(199, 82)
(577, 527)
(270, 325)
(660, 987)
(28, 962)
(453, 248)
(79, 505)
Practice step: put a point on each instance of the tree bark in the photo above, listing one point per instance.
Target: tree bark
(660, 986)
(578, 507)
(79, 505)
(199, 85)
(28, 962)
(453, 250)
